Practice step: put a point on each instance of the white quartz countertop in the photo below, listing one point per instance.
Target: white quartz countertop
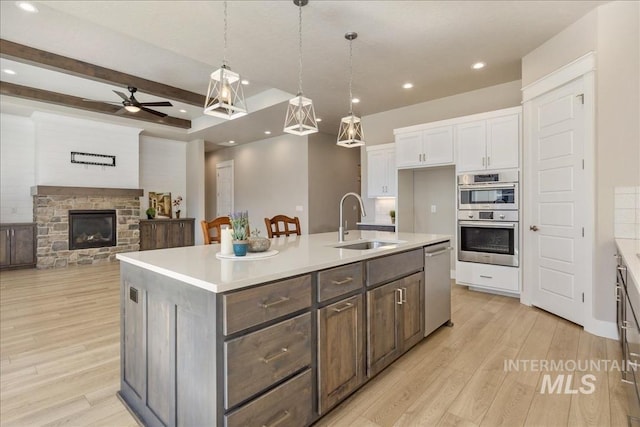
(629, 249)
(376, 223)
(198, 265)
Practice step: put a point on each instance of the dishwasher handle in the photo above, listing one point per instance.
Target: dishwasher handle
(430, 254)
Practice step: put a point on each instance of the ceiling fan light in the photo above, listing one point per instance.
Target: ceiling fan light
(225, 97)
(301, 117)
(132, 108)
(350, 133)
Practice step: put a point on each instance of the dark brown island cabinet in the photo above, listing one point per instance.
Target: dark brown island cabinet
(280, 353)
(18, 245)
(166, 233)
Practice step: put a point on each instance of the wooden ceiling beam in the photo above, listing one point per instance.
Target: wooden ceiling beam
(52, 61)
(34, 94)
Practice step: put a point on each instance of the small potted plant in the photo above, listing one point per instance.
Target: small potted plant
(392, 214)
(151, 213)
(176, 204)
(239, 225)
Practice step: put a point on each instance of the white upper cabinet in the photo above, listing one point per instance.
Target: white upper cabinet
(429, 147)
(381, 170)
(488, 144)
(484, 141)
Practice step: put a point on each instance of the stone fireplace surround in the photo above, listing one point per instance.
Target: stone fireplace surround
(51, 205)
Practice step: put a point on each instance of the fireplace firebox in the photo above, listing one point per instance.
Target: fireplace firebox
(92, 228)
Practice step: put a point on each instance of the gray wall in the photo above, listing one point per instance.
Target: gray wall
(270, 178)
(333, 171)
(612, 30)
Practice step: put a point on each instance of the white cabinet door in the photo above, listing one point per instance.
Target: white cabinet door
(438, 145)
(409, 149)
(377, 164)
(502, 142)
(471, 146)
(381, 172)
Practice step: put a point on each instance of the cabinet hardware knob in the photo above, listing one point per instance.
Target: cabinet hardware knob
(274, 303)
(345, 307)
(281, 418)
(281, 353)
(533, 228)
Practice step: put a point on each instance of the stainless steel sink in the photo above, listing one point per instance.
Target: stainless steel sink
(365, 244)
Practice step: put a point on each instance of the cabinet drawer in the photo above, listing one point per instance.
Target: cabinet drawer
(256, 361)
(288, 405)
(339, 281)
(251, 307)
(489, 276)
(384, 269)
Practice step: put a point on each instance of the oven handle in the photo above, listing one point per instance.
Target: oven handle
(487, 224)
(484, 186)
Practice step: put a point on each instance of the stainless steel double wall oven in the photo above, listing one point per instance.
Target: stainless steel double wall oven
(488, 220)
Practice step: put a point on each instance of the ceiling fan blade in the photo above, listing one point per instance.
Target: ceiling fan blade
(121, 95)
(156, 104)
(102, 102)
(120, 111)
(149, 110)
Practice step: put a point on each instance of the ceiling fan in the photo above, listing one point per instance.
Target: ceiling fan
(132, 105)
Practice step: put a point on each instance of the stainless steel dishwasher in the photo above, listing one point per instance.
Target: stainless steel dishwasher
(437, 282)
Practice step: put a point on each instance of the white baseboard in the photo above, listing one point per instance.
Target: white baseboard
(493, 291)
(602, 328)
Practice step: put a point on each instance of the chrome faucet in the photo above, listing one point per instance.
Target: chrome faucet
(341, 232)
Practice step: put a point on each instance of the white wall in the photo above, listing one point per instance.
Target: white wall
(270, 178)
(195, 196)
(57, 136)
(17, 168)
(163, 164)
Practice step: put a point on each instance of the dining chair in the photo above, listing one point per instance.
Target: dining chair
(282, 225)
(216, 225)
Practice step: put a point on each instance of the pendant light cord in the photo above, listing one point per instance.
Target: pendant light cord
(350, 76)
(224, 51)
(300, 48)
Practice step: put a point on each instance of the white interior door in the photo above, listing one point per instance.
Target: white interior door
(558, 256)
(224, 188)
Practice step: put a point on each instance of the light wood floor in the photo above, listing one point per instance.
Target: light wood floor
(59, 340)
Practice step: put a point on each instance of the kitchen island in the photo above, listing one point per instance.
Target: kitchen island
(272, 341)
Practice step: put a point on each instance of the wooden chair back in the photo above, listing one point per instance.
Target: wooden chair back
(216, 225)
(282, 225)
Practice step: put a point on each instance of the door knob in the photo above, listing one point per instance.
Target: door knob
(533, 228)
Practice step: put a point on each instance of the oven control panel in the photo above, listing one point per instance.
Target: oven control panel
(488, 215)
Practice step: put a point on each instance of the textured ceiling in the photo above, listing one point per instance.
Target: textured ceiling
(429, 43)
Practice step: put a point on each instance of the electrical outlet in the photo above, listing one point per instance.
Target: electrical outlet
(433, 209)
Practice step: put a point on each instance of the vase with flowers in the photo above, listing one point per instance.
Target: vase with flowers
(176, 204)
(239, 225)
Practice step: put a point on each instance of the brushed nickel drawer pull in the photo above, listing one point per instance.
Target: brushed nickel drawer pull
(403, 294)
(399, 299)
(347, 306)
(278, 420)
(273, 303)
(273, 357)
(349, 279)
(486, 277)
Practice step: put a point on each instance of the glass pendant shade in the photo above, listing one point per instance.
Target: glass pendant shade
(225, 97)
(350, 132)
(301, 117)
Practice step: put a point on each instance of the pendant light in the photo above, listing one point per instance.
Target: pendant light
(301, 117)
(350, 133)
(225, 97)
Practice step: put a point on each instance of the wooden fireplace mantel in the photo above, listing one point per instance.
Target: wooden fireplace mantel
(51, 190)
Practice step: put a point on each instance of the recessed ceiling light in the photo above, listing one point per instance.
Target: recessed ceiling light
(183, 111)
(478, 65)
(267, 132)
(10, 72)
(232, 142)
(355, 100)
(26, 6)
(407, 86)
(318, 119)
(244, 82)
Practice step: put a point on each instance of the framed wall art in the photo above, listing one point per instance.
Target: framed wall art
(161, 202)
